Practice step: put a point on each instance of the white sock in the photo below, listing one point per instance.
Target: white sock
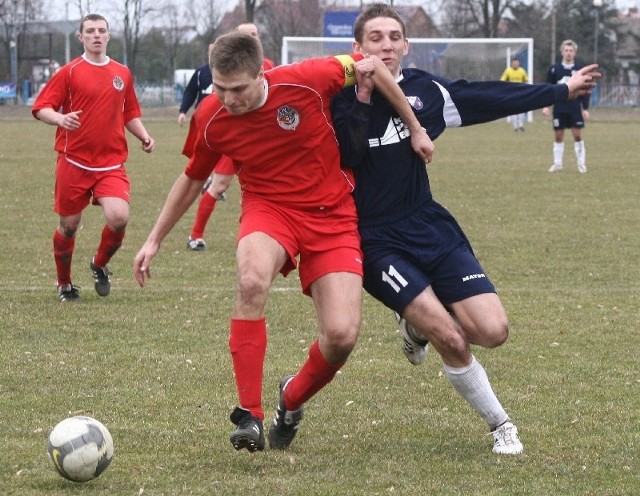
(558, 152)
(581, 152)
(473, 385)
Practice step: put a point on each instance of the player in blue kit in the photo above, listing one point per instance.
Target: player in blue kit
(417, 260)
(570, 114)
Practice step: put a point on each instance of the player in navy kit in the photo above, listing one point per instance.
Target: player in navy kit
(417, 260)
(570, 114)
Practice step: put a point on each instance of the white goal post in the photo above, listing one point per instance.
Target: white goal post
(477, 59)
(474, 59)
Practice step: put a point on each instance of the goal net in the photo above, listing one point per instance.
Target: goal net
(477, 59)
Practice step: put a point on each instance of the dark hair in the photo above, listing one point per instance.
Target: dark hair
(92, 17)
(236, 52)
(372, 11)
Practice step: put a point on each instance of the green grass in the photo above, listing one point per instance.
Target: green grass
(153, 364)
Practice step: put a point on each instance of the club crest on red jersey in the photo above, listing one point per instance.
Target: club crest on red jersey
(118, 83)
(288, 118)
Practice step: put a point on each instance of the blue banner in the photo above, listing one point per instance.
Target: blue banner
(7, 90)
(339, 24)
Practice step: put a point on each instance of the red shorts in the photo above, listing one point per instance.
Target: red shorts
(224, 166)
(76, 187)
(326, 240)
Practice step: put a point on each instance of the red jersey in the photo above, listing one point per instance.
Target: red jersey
(286, 150)
(106, 95)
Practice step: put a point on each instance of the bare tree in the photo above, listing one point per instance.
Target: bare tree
(14, 17)
(84, 7)
(249, 9)
(133, 13)
(287, 18)
(204, 16)
(475, 18)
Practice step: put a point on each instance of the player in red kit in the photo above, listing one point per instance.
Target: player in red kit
(296, 204)
(91, 100)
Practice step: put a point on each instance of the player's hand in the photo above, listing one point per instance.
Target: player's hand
(365, 69)
(142, 262)
(182, 118)
(546, 111)
(148, 145)
(583, 81)
(422, 145)
(70, 121)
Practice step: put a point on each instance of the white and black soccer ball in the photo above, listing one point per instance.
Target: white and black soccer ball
(80, 448)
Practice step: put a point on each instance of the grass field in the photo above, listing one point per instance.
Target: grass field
(153, 364)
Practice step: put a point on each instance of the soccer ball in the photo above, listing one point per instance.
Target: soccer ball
(80, 448)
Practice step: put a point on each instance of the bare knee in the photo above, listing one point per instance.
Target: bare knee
(118, 222)
(252, 291)
(338, 341)
(495, 334)
(451, 344)
(68, 228)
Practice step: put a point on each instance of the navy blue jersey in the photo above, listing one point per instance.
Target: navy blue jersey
(390, 177)
(199, 86)
(560, 73)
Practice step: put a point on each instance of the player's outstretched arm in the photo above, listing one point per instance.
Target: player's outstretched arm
(183, 193)
(583, 81)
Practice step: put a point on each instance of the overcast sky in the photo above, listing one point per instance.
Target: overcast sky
(63, 9)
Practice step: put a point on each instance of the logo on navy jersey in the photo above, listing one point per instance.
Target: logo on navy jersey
(396, 131)
(288, 118)
(118, 83)
(415, 102)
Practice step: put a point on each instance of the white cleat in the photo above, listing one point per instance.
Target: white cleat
(414, 345)
(582, 169)
(506, 440)
(555, 168)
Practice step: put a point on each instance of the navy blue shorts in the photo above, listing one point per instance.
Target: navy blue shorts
(568, 120)
(425, 248)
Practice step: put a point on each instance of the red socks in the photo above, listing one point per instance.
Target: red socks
(248, 346)
(205, 209)
(110, 242)
(312, 377)
(62, 254)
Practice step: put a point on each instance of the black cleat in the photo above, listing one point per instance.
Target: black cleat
(196, 244)
(286, 422)
(101, 277)
(249, 434)
(68, 292)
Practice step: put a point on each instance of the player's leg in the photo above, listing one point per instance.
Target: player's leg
(337, 297)
(579, 148)
(259, 259)
(64, 241)
(331, 273)
(111, 191)
(427, 314)
(558, 147)
(483, 319)
(460, 283)
(219, 184)
(116, 215)
(71, 196)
